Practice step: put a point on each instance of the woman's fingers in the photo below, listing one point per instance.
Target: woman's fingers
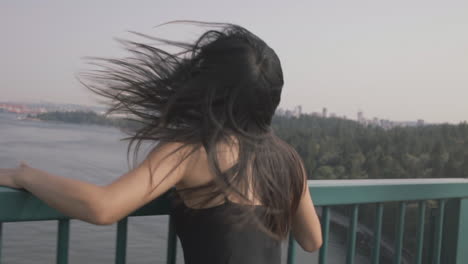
(6, 171)
(23, 164)
(7, 177)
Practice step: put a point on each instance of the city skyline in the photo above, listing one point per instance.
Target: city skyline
(398, 60)
(24, 108)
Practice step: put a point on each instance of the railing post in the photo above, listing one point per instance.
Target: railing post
(325, 221)
(399, 232)
(420, 234)
(428, 257)
(63, 238)
(171, 242)
(121, 242)
(1, 228)
(438, 231)
(352, 234)
(291, 258)
(455, 245)
(377, 234)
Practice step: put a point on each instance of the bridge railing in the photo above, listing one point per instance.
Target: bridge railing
(449, 243)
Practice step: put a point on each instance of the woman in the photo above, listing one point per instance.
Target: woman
(208, 108)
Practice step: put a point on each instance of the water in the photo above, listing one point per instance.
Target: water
(94, 154)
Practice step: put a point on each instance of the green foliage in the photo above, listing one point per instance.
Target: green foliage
(334, 148)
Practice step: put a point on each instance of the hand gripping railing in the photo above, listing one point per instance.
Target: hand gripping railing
(449, 242)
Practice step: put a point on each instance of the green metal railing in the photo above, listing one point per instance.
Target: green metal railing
(449, 233)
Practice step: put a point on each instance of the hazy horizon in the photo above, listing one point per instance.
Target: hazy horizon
(397, 60)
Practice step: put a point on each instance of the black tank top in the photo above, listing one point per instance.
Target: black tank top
(207, 238)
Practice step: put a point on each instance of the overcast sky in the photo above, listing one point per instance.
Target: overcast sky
(398, 59)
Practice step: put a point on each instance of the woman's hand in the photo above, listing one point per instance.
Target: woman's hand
(10, 177)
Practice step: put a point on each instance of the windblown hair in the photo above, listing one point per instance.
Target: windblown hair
(222, 89)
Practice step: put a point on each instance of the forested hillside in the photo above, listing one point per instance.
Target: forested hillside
(334, 148)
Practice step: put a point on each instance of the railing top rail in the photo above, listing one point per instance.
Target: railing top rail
(336, 192)
(19, 205)
(418, 181)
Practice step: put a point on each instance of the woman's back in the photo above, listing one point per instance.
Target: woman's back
(207, 234)
(199, 173)
(207, 237)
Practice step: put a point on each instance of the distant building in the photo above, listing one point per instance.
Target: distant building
(324, 112)
(360, 117)
(297, 112)
(279, 111)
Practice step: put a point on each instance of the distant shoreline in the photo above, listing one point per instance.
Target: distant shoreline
(82, 117)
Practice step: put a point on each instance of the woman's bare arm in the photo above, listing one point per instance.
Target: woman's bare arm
(306, 225)
(106, 204)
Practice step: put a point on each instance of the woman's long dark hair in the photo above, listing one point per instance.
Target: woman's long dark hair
(222, 89)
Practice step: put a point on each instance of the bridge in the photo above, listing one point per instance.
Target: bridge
(446, 199)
